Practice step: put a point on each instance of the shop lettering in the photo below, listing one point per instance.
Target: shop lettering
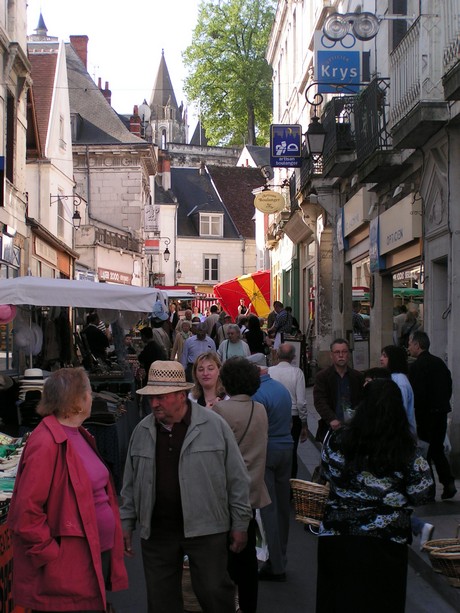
(338, 72)
(396, 236)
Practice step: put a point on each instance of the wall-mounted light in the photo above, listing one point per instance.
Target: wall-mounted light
(178, 270)
(77, 200)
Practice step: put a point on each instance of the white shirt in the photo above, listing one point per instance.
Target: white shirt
(294, 380)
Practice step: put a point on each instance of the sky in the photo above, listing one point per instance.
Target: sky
(125, 41)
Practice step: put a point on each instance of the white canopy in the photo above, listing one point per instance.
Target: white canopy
(41, 291)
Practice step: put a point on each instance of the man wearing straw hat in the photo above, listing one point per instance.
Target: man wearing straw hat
(187, 486)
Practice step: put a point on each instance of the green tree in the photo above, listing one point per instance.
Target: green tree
(230, 79)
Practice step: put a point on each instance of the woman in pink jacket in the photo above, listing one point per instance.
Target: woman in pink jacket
(67, 540)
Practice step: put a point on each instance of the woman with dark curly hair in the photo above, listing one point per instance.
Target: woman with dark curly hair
(208, 386)
(249, 422)
(375, 474)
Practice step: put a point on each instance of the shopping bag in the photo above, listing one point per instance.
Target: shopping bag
(261, 540)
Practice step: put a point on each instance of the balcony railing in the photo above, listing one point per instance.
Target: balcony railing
(370, 112)
(451, 27)
(416, 68)
(119, 241)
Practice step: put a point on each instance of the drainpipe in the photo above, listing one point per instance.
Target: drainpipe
(243, 249)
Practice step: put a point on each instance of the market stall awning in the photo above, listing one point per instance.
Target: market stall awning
(254, 288)
(40, 291)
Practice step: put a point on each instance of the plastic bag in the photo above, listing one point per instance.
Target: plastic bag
(261, 540)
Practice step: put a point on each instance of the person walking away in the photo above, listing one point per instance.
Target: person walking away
(275, 517)
(432, 384)
(64, 520)
(282, 324)
(249, 423)
(186, 485)
(293, 380)
(375, 473)
(337, 391)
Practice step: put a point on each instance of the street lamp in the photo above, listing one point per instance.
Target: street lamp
(178, 271)
(77, 200)
(315, 135)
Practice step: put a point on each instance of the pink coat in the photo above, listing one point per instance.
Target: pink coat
(56, 551)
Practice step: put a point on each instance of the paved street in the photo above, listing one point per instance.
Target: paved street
(297, 595)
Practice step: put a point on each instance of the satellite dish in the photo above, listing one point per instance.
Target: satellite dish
(365, 26)
(336, 26)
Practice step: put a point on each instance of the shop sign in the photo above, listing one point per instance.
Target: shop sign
(338, 64)
(269, 201)
(45, 251)
(356, 211)
(401, 224)
(151, 245)
(114, 276)
(152, 218)
(286, 145)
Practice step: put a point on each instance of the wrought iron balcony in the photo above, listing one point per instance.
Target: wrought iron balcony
(339, 157)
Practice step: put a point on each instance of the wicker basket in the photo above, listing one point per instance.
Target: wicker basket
(309, 501)
(437, 544)
(447, 560)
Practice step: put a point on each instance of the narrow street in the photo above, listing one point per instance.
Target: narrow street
(297, 595)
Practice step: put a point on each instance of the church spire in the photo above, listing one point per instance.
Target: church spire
(163, 95)
(41, 29)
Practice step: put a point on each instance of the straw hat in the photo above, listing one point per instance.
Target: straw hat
(5, 382)
(165, 377)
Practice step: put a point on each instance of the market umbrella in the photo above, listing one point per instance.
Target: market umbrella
(254, 288)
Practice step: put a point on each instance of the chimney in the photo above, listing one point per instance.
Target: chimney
(80, 44)
(105, 92)
(135, 122)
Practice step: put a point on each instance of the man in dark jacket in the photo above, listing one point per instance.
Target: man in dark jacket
(432, 385)
(337, 390)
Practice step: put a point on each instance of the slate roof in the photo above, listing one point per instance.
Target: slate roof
(195, 194)
(43, 72)
(260, 155)
(235, 185)
(100, 124)
(199, 136)
(224, 190)
(162, 92)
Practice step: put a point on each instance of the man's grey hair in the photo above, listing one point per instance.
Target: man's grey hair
(234, 327)
(286, 352)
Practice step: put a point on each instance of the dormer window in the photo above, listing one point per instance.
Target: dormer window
(211, 224)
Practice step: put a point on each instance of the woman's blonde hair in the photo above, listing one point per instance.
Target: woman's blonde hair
(63, 392)
(197, 390)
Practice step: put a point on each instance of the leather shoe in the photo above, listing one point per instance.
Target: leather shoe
(266, 576)
(449, 491)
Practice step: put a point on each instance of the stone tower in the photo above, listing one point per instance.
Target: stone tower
(168, 120)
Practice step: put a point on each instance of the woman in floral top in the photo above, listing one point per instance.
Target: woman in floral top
(375, 473)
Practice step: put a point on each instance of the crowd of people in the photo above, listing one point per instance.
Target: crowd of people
(217, 442)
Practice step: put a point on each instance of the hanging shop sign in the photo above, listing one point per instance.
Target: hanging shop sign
(338, 64)
(269, 201)
(285, 145)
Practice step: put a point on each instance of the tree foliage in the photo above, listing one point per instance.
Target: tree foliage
(230, 79)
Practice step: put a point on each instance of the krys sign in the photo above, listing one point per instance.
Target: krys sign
(338, 64)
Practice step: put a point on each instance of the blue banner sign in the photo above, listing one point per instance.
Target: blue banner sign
(342, 68)
(286, 146)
